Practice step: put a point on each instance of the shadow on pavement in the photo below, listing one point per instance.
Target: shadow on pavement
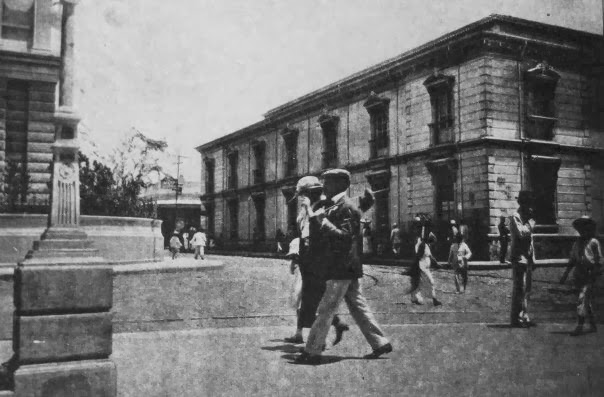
(325, 359)
(500, 326)
(289, 348)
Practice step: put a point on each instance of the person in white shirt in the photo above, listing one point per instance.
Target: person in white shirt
(198, 242)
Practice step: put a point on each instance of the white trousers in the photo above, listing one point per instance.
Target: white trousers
(350, 291)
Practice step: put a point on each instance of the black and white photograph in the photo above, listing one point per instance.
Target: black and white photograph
(301, 198)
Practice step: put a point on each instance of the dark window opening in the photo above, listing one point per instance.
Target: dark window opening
(292, 214)
(260, 205)
(17, 21)
(445, 201)
(378, 119)
(330, 145)
(259, 158)
(540, 108)
(210, 171)
(234, 219)
(211, 218)
(440, 88)
(233, 164)
(544, 178)
(291, 154)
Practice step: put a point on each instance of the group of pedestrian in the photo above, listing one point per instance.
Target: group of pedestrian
(329, 259)
(197, 242)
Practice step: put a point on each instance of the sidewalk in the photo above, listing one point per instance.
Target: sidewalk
(473, 265)
(439, 360)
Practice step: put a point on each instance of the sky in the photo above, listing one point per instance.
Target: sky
(190, 71)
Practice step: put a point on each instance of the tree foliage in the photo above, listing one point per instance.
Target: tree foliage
(116, 191)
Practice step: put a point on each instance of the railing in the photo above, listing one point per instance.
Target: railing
(258, 176)
(442, 131)
(540, 127)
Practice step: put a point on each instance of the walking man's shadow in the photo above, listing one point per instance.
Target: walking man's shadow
(291, 352)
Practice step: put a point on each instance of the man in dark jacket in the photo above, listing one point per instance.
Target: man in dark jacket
(340, 227)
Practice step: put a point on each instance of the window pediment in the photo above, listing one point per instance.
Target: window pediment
(542, 73)
(375, 102)
(289, 132)
(439, 81)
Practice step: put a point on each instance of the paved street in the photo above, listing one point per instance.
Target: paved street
(219, 333)
(255, 291)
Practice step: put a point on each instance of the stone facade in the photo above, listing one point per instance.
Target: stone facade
(29, 72)
(454, 129)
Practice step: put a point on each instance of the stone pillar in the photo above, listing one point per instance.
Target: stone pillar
(63, 291)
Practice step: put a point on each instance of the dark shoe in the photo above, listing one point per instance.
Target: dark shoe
(294, 339)
(436, 302)
(340, 328)
(416, 302)
(530, 323)
(307, 359)
(518, 324)
(577, 331)
(387, 348)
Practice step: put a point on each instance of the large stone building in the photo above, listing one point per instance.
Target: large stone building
(454, 128)
(30, 62)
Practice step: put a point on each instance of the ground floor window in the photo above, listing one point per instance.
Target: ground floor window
(543, 182)
(259, 230)
(234, 219)
(445, 201)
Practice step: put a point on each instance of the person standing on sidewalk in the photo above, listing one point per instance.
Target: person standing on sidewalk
(504, 238)
(459, 255)
(586, 258)
(198, 242)
(395, 240)
(175, 245)
(312, 270)
(340, 229)
(522, 225)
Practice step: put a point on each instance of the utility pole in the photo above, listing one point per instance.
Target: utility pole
(178, 187)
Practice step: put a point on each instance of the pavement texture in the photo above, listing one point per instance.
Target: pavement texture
(219, 332)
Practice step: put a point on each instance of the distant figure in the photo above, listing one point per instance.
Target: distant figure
(367, 243)
(586, 258)
(280, 238)
(395, 240)
(175, 245)
(459, 255)
(504, 238)
(522, 225)
(198, 242)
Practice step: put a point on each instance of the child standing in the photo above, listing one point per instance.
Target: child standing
(586, 258)
(458, 259)
(175, 245)
(198, 242)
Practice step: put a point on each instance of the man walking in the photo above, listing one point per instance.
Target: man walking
(339, 226)
(198, 242)
(522, 258)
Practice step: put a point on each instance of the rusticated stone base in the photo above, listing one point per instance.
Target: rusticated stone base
(81, 378)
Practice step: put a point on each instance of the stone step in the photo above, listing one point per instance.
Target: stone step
(63, 234)
(62, 244)
(63, 253)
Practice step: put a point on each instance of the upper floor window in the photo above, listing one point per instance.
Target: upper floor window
(440, 88)
(329, 125)
(259, 149)
(290, 138)
(378, 113)
(210, 171)
(540, 83)
(233, 158)
(17, 20)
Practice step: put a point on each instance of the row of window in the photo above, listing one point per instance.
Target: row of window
(540, 87)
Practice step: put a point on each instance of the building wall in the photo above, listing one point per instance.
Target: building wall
(36, 63)
(488, 102)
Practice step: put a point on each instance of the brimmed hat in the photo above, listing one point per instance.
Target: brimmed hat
(584, 222)
(525, 197)
(336, 173)
(306, 184)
